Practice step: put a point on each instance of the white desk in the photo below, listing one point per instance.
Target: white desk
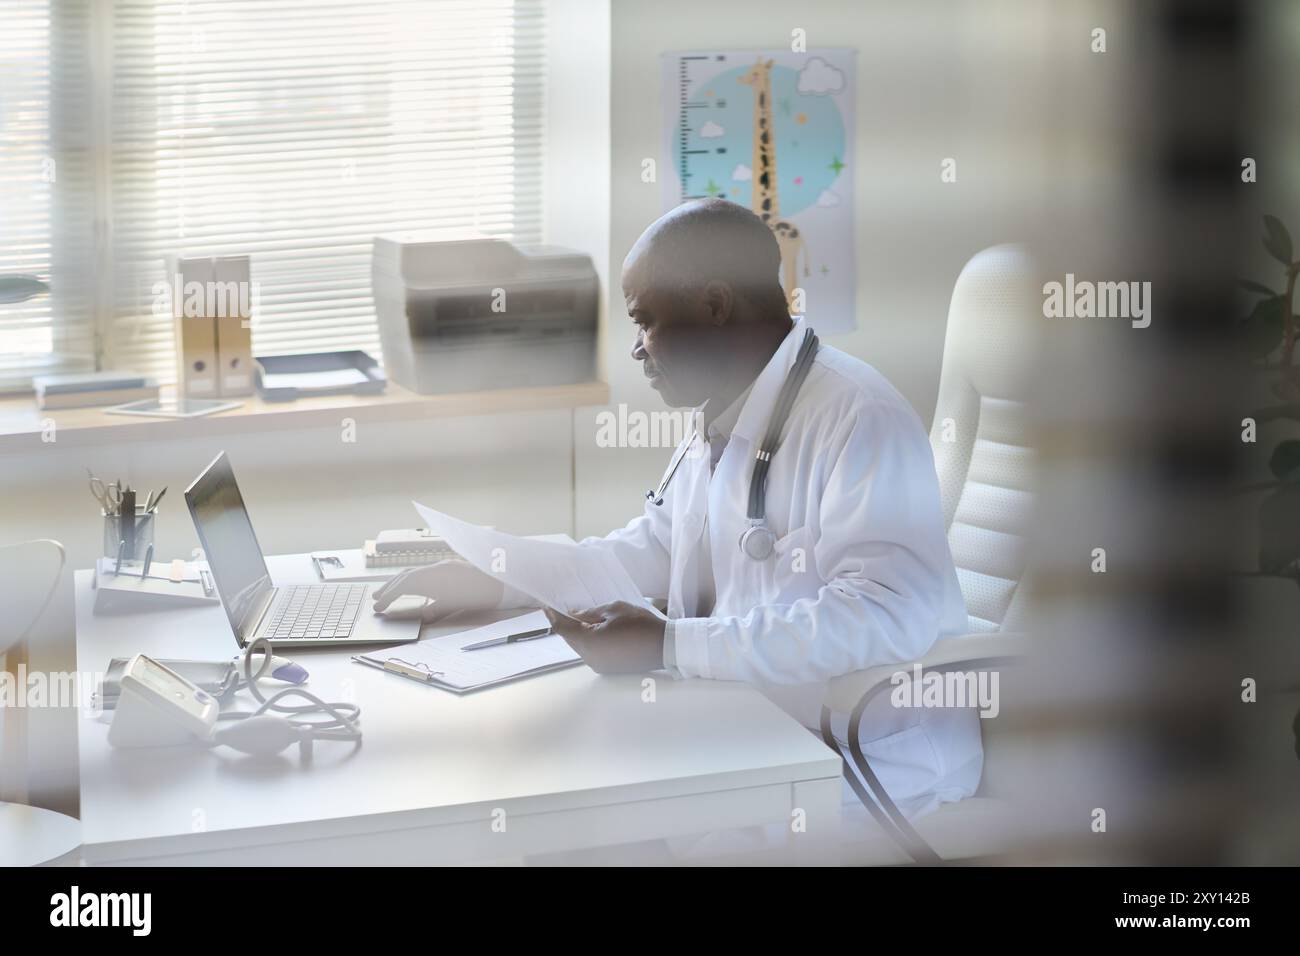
(573, 759)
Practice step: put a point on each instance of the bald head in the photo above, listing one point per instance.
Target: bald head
(701, 285)
(710, 240)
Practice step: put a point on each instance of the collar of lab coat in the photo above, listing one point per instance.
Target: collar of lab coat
(763, 393)
(724, 423)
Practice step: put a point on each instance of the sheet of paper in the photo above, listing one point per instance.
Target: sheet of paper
(557, 574)
(330, 378)
(465, 670)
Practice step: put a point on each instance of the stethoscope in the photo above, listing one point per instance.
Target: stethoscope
(758, 541)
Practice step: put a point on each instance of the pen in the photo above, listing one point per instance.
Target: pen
(121, 547)
(148, 560)
(153, 502)
(126, 518)
(508, 639)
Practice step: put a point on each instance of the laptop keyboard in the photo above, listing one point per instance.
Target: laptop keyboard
(311, 611)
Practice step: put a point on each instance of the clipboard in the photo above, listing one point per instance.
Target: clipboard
(443, 662)
(418, 673)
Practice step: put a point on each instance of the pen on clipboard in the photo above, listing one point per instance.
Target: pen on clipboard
(507, 639)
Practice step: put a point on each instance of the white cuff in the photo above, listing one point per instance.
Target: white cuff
(690, 646)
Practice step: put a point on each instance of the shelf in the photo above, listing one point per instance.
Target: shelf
(22, 424)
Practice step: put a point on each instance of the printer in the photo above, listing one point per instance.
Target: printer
(468, 314)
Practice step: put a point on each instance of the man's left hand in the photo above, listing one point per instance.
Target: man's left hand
(617, 638)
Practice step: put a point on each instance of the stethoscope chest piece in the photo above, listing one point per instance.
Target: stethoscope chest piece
(758, 542)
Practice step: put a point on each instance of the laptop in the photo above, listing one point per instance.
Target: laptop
(289, 616)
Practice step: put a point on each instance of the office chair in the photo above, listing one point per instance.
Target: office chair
(986, 482)
(29, 577)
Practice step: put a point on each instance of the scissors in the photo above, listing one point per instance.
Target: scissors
(109, 495)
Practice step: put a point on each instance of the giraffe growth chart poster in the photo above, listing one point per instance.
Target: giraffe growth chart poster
(773, 131)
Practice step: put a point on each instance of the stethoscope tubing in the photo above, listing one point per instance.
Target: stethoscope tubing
(755, 511)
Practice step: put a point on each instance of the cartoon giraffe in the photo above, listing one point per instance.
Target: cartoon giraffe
(763, 196)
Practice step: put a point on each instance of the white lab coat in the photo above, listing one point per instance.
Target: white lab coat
(862, 573)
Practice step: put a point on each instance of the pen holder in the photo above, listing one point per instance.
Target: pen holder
(117, 529)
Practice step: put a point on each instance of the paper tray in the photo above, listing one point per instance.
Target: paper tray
(320, 363)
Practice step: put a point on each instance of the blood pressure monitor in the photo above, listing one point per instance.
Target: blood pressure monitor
(158, 708)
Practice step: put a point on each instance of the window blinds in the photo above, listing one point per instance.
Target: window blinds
(294, 131)
(45, 213)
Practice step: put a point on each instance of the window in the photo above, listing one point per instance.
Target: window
(291, 131)
(45, 223)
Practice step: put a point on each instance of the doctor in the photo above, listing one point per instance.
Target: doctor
(796, 534)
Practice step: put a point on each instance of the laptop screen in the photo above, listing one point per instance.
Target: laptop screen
(229, 544)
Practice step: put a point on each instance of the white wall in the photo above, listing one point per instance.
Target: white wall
(1009, 88)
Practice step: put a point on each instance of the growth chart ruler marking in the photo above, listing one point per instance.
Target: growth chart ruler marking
(685, 77)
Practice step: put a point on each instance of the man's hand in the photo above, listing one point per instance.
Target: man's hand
(618, 638)
(451, 586)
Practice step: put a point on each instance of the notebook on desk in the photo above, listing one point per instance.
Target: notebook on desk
(350, 565)
(440, 661)
(376, 565)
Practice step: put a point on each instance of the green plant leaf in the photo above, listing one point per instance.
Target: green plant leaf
(1256, 287)
(1279, 528)
(1278, 241)
(1285, 460)
(1261, 331)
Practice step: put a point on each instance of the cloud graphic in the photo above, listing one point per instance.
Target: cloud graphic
(828, 198)
(711, 130)
(742, 173)
(819, 78)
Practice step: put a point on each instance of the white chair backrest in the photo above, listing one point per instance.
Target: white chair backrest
(29, 575)
(981, 431)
